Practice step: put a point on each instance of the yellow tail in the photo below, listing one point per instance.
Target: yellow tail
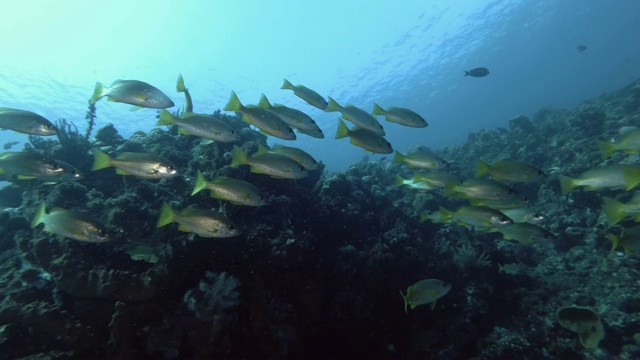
(98, 93)
(201, 183)
(234, 103)
(607, 148)
(343, 130)
(613, 209)
(377, 110)
(167, 215)
(567, 184)
(180, 85)
(332, 105)
(40, 215)
(287, 85)
(100, 160)
(482, 168)
(238, 157)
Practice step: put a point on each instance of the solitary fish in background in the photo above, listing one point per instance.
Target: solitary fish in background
(275, 165)
(70, 224)
(364, 138)
(142, 165)
(300, 156)
(188, 106)
(10, 144)
(525, 233)
(26, 122)
(205, 127)
(400, 116)
(425, 291)
(29, 165)
(629, 143)
(268, 122)
(293, 117)
(420, 161)
(203, 223)
(357, 116)
(510, 170)
(480, 216)
(581, 48)
(306, 94)
(235, 191)
(607, 177)
(132, 92)
(477, 72)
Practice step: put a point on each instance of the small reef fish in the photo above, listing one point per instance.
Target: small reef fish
(25, 122)
(293, 117)
(616, 210)
(525, 233)
(477, 72)
(514, 203)
(142, 165)
(420, 160)
(425, 291)
(300, 156)
(306, 94)
(188, 106)
(513, 269)
(581, 48)
(235, 191)
(10, 144)
(523, 214)
(29, 165)
(414, 183)
(364, 138)
(203, 223)
(480, 216)
(485, 189)
(275, 165)
(205, 127)
(268, 122)
(400, 116)
(70, 224)
(133, 92)
(629, 239)
(607, 177)
(437, 179)
(510, 170)
(629, 143)
(70, 174)
(357, 116)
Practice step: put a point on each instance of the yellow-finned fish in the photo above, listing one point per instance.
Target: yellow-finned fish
(70, 224)
(235, 191)
(480, 216)
(485, 189)
(525, 233)
(188, 106)
(420, 161)
(616, 211)
(400, 116)
(629, 239)
(523, 214)
(364, 138)
(205, 127)
(201, 222)
(275, 165)
(414, 183)
(425, 291)
(629, 143)
(133, 92)
(300, 156)
(26, 122)
(437, 179)
(142, 165)
(607, 177)
(510, 170)
(29, 165)
(268, 122)
(293, 117)
(311, 97)
(357, 116)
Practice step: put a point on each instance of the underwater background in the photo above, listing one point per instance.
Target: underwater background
(313, 268)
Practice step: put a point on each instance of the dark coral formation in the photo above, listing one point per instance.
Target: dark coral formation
(316, 273)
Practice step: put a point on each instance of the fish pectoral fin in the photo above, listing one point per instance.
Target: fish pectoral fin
(135, 108)
(121, 172)
(433, 305)
(184, 228)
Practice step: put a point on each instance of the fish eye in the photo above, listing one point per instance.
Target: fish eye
(231, 227)
(290, 130)
(233, 131)
(537, 216)
(101, 232)
(504, 219)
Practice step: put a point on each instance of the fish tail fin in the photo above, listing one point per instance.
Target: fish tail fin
(377, 110)
(332, 105)
(167, 215)
(238, 157)
(482, 168)
(607, 148)
(615, 242)
(262, 149)
(445, 214)
(264, 102)
(98, 93)
(201, 183)
(466, 73)
(631, 178)
(406, 303)
(180, 84)
(287, 85)
(343, 130)
(100, 160)
(40, 214)
(399, 181)
(398, 158)
(166, 118)
(234, 103)
(567, 184)
(613, 209)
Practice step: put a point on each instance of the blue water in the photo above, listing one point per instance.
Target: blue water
(411, 56)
